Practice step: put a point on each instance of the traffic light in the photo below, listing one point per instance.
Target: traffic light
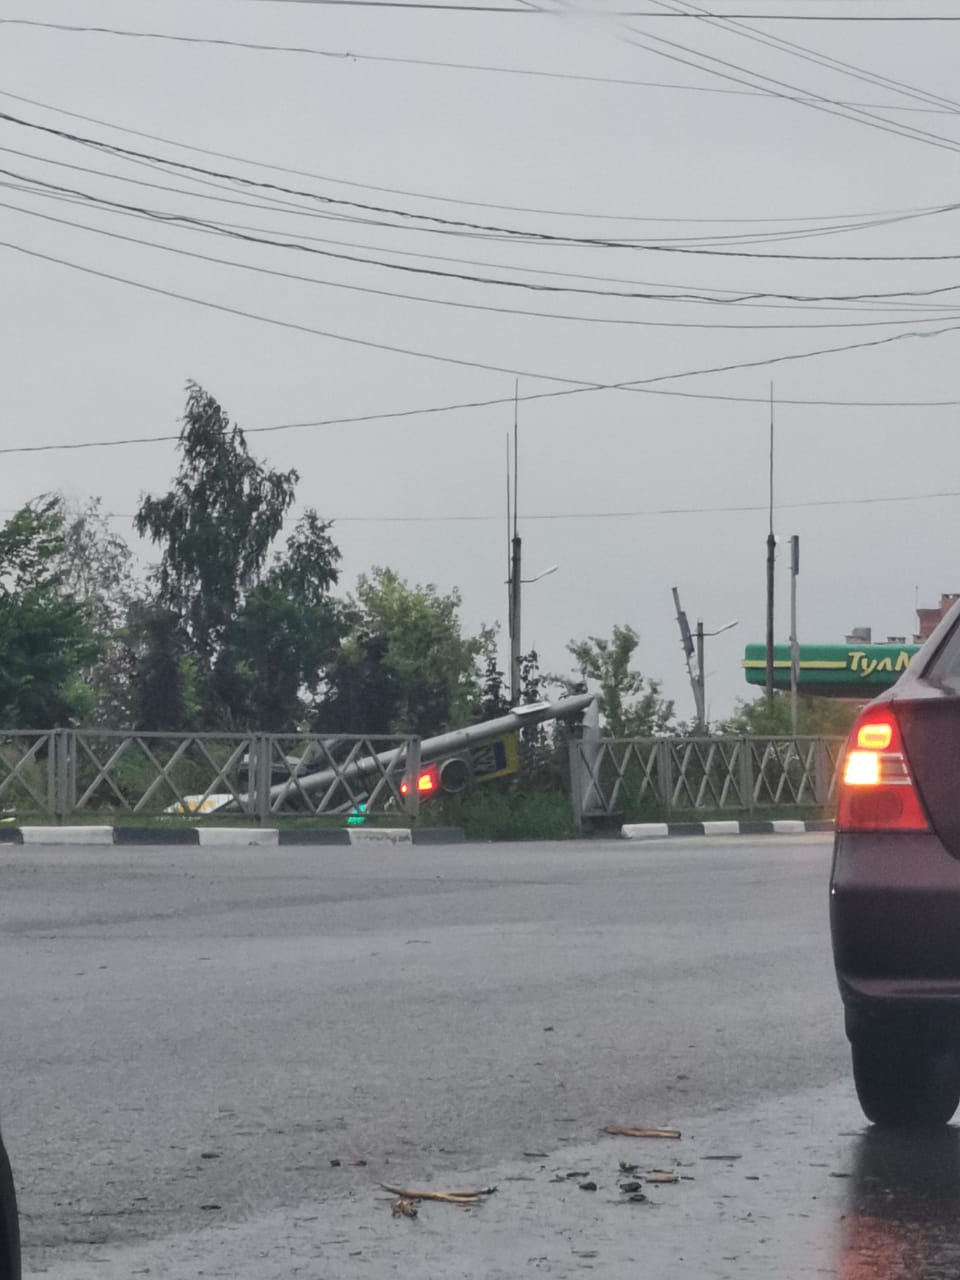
(428, 782)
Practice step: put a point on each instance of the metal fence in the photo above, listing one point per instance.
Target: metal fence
(638, 777)
(63, 774)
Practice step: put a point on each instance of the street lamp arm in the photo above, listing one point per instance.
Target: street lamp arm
(544, 573)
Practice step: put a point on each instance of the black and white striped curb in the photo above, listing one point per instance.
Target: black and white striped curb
(776, 827)
(228, 837)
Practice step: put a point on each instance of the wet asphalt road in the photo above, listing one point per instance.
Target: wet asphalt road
(190, 1038)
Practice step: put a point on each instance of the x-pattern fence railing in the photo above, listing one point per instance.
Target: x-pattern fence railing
(63, 774)
(631, 776)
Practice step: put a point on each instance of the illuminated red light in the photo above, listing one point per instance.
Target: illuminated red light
(876, 736)
(877, 792)
(428, 781)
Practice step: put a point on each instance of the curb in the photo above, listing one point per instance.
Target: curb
(228, 837)
(776, 827)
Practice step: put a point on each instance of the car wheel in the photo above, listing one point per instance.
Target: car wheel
(904, 1085)
(9, 1222)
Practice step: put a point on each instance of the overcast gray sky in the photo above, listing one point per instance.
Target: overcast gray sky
(608, 146)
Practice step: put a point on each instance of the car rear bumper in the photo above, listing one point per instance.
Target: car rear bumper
(895, 922)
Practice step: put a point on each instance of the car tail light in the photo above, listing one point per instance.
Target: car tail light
(877, 792)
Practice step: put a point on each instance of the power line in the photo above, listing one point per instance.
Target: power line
(461, 224)
(290, 209)
(458, 200)
(636, 385)
(816, 101)
(458, 304)
(343, 55)
(875, 78)
(641, 513)
(613, 13)
(494, 402)
(71, 195)
(649, 511)
(632, 385)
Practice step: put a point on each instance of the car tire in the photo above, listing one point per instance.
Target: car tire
(9, 1222)
(902, 1085)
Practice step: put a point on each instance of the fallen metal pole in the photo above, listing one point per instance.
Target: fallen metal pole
(444, 744)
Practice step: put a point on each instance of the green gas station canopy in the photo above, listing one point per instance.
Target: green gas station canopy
(832, 670)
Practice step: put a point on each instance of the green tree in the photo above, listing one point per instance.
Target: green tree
(96, 563)
(232, 638)
(285, 634)
(96, 567)
(163, 673)
(816, 717)
(631, 706)
(216, 525)
(46, 641)
(406, 667)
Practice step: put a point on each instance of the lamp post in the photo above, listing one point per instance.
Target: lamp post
(701, 697)
(514, 584)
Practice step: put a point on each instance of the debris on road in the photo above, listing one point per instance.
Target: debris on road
(625, 1131)
(404, 1208)
(475, 1196)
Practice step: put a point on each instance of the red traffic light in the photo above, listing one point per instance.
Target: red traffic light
(428, 781)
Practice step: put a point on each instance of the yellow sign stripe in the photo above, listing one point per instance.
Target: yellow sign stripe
(760, 664)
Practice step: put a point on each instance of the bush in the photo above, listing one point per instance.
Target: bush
(515, 811)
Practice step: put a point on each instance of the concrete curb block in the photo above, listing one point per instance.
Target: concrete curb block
(322, 836)
(439, 835)
(231, 837)
(67, 835)
(242, 837)
(776, 827)
(381, 835)
(156, 835)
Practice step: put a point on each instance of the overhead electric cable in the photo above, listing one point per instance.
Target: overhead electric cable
(513, 232)
(636, 384)
(346, 55)
(817, 102)
(459, 304)
(460, 200)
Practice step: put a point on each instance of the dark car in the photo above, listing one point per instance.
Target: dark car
(895, 891)
(9, 1222)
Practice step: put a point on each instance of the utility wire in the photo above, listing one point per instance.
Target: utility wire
(296, 210)
(38, 187)
(645, 512)
(512, 232)
(397, 414)
(574, 385)
(458, 304)
(350, 56)
(464, 517)
(804, 52)
(861, 219)
(783, 90)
